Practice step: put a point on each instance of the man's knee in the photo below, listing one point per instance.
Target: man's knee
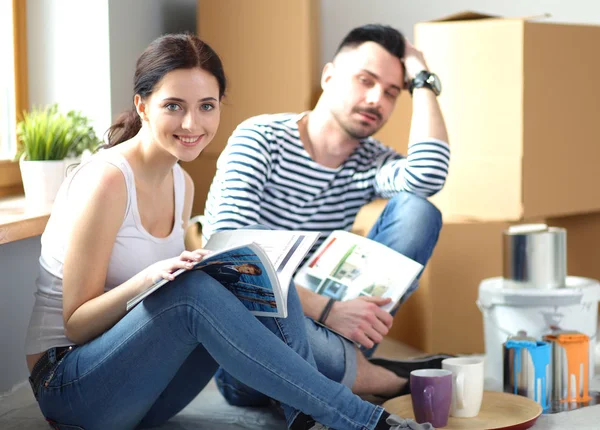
(410, 225)
(409, 204)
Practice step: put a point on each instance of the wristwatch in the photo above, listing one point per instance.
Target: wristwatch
(426, 79)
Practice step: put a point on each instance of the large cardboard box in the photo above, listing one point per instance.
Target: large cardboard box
(522, 113)
(442, 315)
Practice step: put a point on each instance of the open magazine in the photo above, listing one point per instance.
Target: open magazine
(255, 265)
(347, 266)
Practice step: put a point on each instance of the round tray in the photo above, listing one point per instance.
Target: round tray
(498, 411)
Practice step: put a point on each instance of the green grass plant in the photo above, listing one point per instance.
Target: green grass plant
(47, 134)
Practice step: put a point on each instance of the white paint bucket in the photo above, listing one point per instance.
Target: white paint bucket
(508, 311)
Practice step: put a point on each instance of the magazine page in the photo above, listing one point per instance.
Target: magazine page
(347, 266)
(285, 249)
(246, 271)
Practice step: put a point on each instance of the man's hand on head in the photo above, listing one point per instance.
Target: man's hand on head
(361, 320)
(414, 62)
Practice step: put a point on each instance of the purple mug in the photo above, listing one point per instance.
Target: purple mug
(431, 392)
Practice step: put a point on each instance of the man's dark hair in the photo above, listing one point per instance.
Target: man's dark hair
(384, 35)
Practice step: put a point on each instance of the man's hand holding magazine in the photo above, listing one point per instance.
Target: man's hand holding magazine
(362, 320)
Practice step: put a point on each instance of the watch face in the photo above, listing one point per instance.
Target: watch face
(427, 79)
(435, 83)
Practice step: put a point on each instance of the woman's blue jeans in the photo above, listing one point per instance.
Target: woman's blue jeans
(156, 359)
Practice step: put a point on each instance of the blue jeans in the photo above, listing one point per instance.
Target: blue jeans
(410, 225)
(157, 358)
(335, 357)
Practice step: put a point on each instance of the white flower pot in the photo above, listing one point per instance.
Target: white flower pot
(41, 181)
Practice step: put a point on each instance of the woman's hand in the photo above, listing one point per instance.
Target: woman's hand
(165, 269)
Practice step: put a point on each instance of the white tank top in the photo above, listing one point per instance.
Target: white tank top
(134, 250)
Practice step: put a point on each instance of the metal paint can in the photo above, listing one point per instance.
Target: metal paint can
(570, 366)
(535, 256)
(527, 368)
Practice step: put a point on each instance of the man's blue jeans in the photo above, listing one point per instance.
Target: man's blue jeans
(157, 358)
(410, 225)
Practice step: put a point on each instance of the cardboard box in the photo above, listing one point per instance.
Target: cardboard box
(522, 113)
(583, 243)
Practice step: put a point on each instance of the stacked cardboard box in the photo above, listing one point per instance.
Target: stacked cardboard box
(522, 124)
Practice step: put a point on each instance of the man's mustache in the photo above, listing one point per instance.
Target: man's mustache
(370, 111)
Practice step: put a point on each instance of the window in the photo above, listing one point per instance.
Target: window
(7, 82)
(13, 88)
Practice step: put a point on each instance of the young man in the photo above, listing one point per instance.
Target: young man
(315, 170)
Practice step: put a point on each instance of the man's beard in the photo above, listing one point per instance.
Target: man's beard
(353, 132)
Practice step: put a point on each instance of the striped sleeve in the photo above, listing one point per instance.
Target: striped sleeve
(422, 172)
(242, 170)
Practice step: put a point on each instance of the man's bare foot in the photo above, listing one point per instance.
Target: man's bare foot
(376, 380)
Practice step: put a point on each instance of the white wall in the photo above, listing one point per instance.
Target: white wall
(338, 17)
(133, 25)
(68, 55)
(81, 55)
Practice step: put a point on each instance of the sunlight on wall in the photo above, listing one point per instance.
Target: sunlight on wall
(68, 55)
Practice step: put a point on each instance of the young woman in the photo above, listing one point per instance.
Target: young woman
(117, 227)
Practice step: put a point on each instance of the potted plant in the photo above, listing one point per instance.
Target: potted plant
(50, 141)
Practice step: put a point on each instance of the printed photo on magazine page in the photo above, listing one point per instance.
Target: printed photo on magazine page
(347, 266)
(243, 273)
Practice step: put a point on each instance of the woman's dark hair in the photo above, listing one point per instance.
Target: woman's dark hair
(384, 35)
(167, 53)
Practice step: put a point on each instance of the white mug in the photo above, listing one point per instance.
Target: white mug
(467, 385)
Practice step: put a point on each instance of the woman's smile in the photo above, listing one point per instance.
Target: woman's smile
(189, 141)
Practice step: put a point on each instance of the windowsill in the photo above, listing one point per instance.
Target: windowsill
(17, 223)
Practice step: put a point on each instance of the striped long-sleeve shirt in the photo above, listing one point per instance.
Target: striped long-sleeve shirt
(265, 176)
